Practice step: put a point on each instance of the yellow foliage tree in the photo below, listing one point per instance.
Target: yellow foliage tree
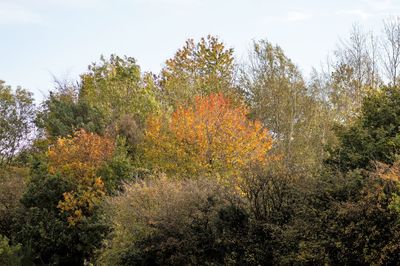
(212, 136)
(77, 159)
(198, 69)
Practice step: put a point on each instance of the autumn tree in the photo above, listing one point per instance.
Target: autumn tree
(61, 220)
(78, 159)
(210, 136)
(198, 69)
(17, 113)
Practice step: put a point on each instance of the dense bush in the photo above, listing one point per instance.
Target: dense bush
(167, 222)
(12, 185)
(9, 255)
(373, 136)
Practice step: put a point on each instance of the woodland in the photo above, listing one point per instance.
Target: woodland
(212, 161)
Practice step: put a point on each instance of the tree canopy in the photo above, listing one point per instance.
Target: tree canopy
(211, 161)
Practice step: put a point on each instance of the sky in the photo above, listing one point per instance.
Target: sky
(43, 39)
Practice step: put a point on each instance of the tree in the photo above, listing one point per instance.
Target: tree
(355, 73)
(348, 221)
(279, 98)
(63, 113)
(391, 49)
(198, 69)
(78, 159)
(360, 53)
(45, 233)
(12, 186)
(374, 134)
(116, 87)
(211, 136)
(60, 222)
(17, 113)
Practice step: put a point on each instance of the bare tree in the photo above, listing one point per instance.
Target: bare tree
(391, 48)
(355, 72)
(280, 98)
(359, 52)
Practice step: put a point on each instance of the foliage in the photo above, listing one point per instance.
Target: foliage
(9, 255)
(373, 136)
(45, 233)
(63, 113)
(198, 69)
(355, 224)
(276, 92)
(391, 173)
(347, 94)
(211, 137)
(217, 178)
(116, 87)
(164, 222)
(131, 130)
(12, 186)
(77, 159)
(16, 117)
(271, 192)
(118, 169)
(49, 239)
(354, 73)
(167, 222)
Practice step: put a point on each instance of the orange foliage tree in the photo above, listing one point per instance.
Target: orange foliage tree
(78, 159)
(212, 136)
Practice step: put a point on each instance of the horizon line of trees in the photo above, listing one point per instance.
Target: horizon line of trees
(210, 161)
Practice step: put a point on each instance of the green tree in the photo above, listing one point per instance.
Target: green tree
(44, 231)
(374, 135)
(351, 222)
(17, 112)
(117, 87)
(63, 113)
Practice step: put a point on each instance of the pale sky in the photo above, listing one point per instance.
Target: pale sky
(42, 38)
